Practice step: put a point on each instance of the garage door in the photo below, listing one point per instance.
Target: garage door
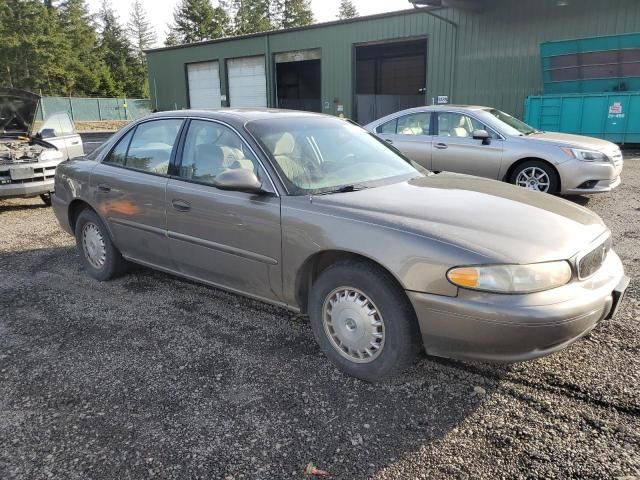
(204, 85)
(247, 82)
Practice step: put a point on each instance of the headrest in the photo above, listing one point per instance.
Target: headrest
(285, 145)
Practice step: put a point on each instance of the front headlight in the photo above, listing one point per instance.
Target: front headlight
(512, 278)
(585, 155)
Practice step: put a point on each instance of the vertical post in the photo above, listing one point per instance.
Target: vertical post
(99, 110)
(124, 105)
(71, 109)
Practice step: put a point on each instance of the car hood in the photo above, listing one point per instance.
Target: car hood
(577, 141)
(498, 221)
(17, 111)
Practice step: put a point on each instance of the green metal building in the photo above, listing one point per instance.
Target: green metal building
(464, 51)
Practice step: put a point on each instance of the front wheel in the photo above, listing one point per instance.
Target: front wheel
(536, 175)
(363, 321)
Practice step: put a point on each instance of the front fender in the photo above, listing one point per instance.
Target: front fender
(418, 263)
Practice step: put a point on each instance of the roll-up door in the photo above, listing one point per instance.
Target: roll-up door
(247, 82)
(204, 85)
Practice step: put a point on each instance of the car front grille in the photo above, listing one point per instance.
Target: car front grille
(40, 174)
(616, 157)
(590, 262)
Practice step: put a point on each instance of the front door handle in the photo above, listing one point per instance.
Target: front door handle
(75, 143)
(441, 146)
(388, 140)
(103, 187)
(181, 205)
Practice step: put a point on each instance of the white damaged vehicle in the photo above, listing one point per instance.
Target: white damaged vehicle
(30, 151)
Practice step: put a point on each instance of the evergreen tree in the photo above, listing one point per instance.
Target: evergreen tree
(252, 16)
(198, 20)
(347, 10)
(141, 32)
(125, 68)
(171, 40)
(296, 13)
(31, 40)
(84, 65)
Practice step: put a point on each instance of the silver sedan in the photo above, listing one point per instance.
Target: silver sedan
(486, 142)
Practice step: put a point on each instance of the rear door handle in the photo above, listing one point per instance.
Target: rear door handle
(181, 205)
(103, 187)
(441, 146)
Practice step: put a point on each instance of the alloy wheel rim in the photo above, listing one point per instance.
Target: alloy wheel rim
(93, 245)
(353, 324)
(534, 178)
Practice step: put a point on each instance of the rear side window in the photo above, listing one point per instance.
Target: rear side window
(147, 148)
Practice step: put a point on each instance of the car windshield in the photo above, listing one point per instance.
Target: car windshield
(322, 155)
(518, 125)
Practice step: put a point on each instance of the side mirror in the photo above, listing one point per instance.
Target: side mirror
(47, 133)
(482, 135)
(240, 179)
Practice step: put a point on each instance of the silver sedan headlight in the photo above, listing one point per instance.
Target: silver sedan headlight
(512, 278)
(585, 155)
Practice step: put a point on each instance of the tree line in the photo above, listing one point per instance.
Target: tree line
(199, 20)
(57, 47)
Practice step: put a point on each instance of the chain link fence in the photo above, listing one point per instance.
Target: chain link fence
(95, 109)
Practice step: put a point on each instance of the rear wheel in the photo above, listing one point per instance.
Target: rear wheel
(46, 198)
(536, 175)
(363, 321)
(99, 255)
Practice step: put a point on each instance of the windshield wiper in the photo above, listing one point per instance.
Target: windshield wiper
(343, 189)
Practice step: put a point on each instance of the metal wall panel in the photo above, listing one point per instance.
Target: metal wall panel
(497, 51)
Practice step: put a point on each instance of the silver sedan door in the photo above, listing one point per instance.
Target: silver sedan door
(411, 134)
(455, 149)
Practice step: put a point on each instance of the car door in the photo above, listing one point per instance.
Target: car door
(59, 130)
(227, 238)
(455, 149)
(411, 134)
(129, 188)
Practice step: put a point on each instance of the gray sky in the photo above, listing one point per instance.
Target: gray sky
(161, 11)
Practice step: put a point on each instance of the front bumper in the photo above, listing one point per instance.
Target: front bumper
(512, 328)
(21, 190)
(603, 177)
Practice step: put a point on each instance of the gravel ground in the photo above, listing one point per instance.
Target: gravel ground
(150, 376)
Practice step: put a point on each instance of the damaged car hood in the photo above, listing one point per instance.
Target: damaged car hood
(18, 110)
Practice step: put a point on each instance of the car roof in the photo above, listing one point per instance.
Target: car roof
(429, 108)
(240, 114)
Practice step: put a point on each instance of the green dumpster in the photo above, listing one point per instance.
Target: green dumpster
(610, 116)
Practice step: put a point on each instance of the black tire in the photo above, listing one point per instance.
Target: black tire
(46, 198)
(402, 340)
(114, 265)
(554, 181)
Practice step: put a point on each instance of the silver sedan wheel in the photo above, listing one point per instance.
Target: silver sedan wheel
(93, 245)
(534, 178)
(353, 324)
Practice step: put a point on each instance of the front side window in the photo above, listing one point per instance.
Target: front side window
(148, 147)
(414, 124)
(59, 124)
(316, 155)
(210, 149)
(459, 125)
